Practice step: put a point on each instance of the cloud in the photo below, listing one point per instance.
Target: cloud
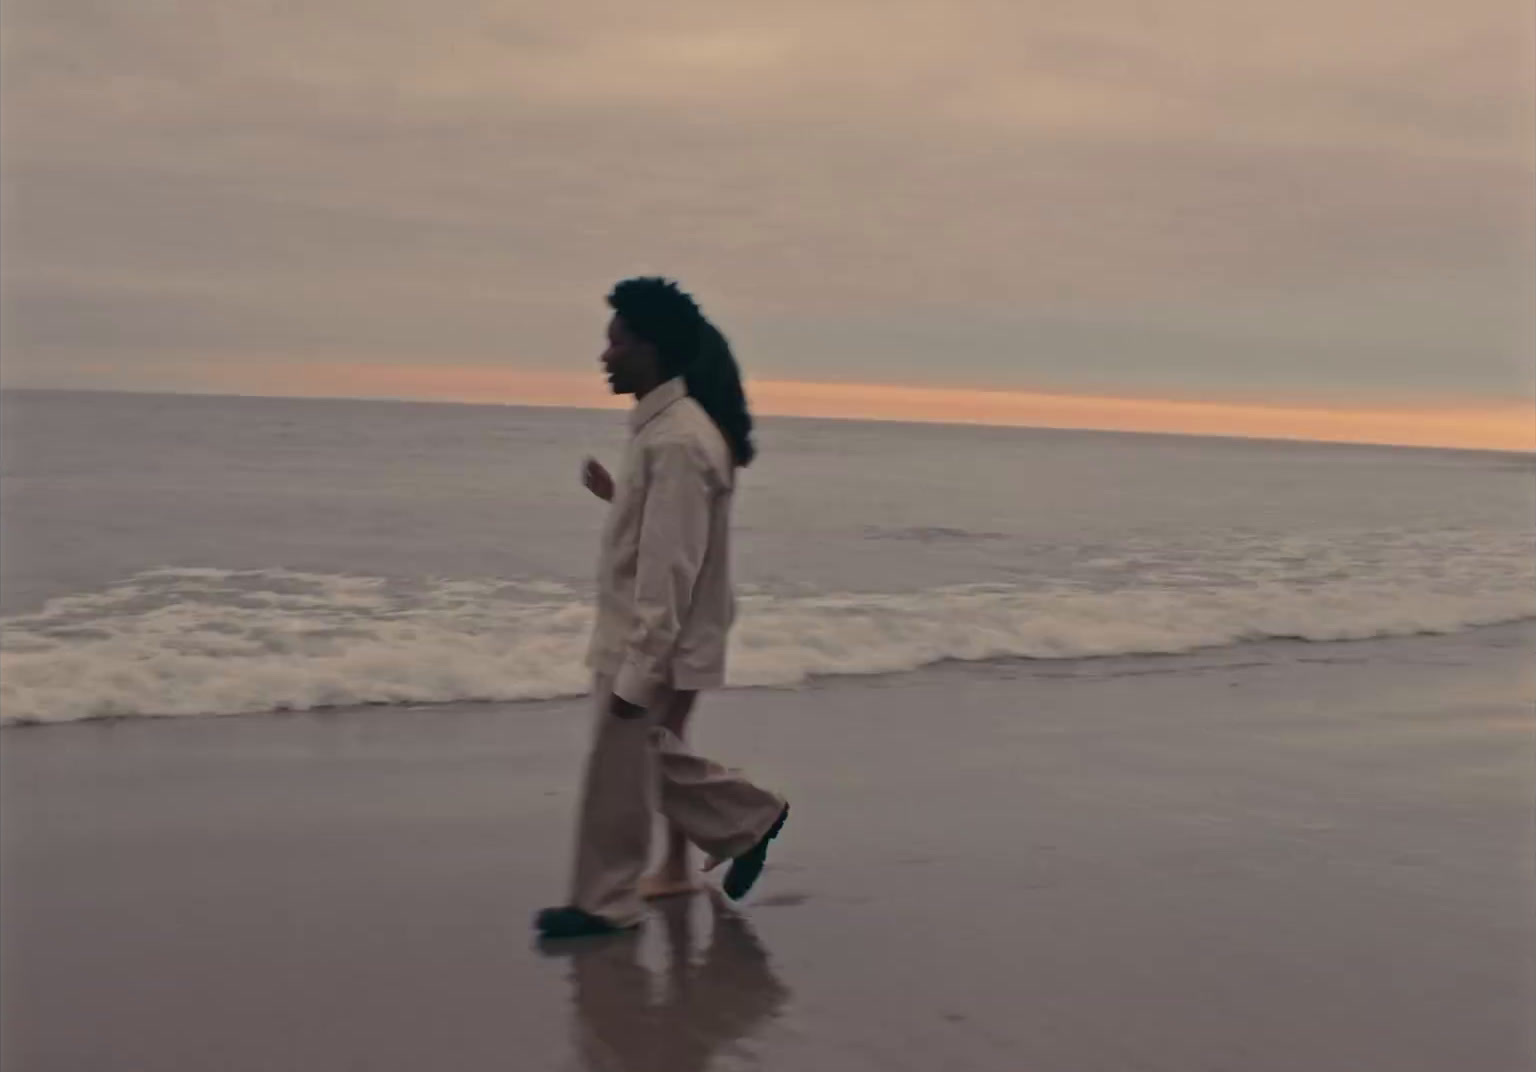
(1232, 197)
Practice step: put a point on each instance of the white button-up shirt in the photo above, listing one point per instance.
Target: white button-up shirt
(664, 600)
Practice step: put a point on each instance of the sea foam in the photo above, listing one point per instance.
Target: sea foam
(188, 642)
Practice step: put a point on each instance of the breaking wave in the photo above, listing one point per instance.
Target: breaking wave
(215, 642)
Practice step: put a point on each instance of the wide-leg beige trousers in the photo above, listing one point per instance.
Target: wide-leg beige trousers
(636, 768)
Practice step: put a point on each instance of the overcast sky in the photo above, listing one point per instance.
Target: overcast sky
(1299, 202)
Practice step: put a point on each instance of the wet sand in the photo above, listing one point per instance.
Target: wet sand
(1271, 857)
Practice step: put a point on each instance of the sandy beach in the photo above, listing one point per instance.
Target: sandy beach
(1267, 857)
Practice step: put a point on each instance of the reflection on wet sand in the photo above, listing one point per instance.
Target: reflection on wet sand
(629, 1018)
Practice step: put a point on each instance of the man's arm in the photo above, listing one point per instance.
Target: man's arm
(674, 536)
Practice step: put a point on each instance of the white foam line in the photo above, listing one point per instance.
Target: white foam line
(207, 642)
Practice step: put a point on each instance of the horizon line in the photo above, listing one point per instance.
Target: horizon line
(1521, 440)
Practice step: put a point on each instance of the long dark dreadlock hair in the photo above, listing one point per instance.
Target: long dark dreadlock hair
(688, 345)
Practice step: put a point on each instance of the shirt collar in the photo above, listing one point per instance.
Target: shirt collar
(659, 398)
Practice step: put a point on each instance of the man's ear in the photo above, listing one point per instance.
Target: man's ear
(652, 358)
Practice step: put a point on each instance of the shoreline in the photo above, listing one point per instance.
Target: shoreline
(1517, 631)
(1322, 861)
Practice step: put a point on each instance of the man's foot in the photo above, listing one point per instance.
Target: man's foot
(746, 867)
(569, 921)
(661, 884)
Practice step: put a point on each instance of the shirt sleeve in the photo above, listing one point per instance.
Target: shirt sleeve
(674, 536)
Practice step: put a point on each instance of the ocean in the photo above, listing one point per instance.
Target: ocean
(195, 555)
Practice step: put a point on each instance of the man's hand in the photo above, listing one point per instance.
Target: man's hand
(597, 479)
(619, 707)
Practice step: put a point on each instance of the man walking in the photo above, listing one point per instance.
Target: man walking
(664, 610)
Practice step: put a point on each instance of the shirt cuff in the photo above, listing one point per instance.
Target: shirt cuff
(635, 686)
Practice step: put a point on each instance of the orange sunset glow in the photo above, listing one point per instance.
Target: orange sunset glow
(1491, 425)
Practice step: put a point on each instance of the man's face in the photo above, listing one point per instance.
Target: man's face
(629, 362)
